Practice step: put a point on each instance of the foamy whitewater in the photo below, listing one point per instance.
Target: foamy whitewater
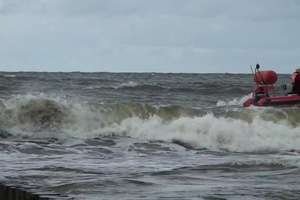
(145, 136)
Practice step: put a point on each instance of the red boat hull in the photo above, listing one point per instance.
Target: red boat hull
(274, 101)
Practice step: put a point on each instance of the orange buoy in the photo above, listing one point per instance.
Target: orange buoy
(265, 77)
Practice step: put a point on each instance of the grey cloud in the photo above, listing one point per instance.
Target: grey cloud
(198, 8)
(140, 35)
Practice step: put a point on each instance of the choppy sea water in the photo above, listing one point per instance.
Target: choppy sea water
(146, 136)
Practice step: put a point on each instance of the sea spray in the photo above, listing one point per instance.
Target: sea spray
(234, 102)
(213, 133)
(251, 130)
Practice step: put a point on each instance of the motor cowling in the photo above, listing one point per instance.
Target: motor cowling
(265, 77)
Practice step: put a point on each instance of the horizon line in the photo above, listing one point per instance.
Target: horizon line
(128, 72)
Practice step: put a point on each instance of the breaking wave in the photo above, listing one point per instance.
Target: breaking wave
(193, 88)
(250, 130)
(9, 75)
(234, 102)
(129, 84)
(132, 85)
(214, 133)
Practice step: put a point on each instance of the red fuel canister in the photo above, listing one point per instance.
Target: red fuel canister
(265, 77)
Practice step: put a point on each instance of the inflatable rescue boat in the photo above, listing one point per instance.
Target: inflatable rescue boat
(261, 95)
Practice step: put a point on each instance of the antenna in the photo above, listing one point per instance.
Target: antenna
(251, 69)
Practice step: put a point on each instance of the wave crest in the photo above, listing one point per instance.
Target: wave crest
(241, 130)
(213, 133)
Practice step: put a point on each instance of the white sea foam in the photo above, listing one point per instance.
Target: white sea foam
(263, 132)
(9, 75)
(127, 84)
(213, 133)
(234, 102)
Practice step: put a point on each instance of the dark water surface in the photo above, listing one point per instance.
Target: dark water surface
(146, 136)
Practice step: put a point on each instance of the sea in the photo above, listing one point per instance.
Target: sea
(98, 136)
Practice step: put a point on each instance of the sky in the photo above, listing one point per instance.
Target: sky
(195, 36)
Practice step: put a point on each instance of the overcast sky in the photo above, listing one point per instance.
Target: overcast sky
(149, 35)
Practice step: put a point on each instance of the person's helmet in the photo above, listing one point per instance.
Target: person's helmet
(298, 70)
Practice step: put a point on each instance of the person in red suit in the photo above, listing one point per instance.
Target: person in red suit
(296, 82)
